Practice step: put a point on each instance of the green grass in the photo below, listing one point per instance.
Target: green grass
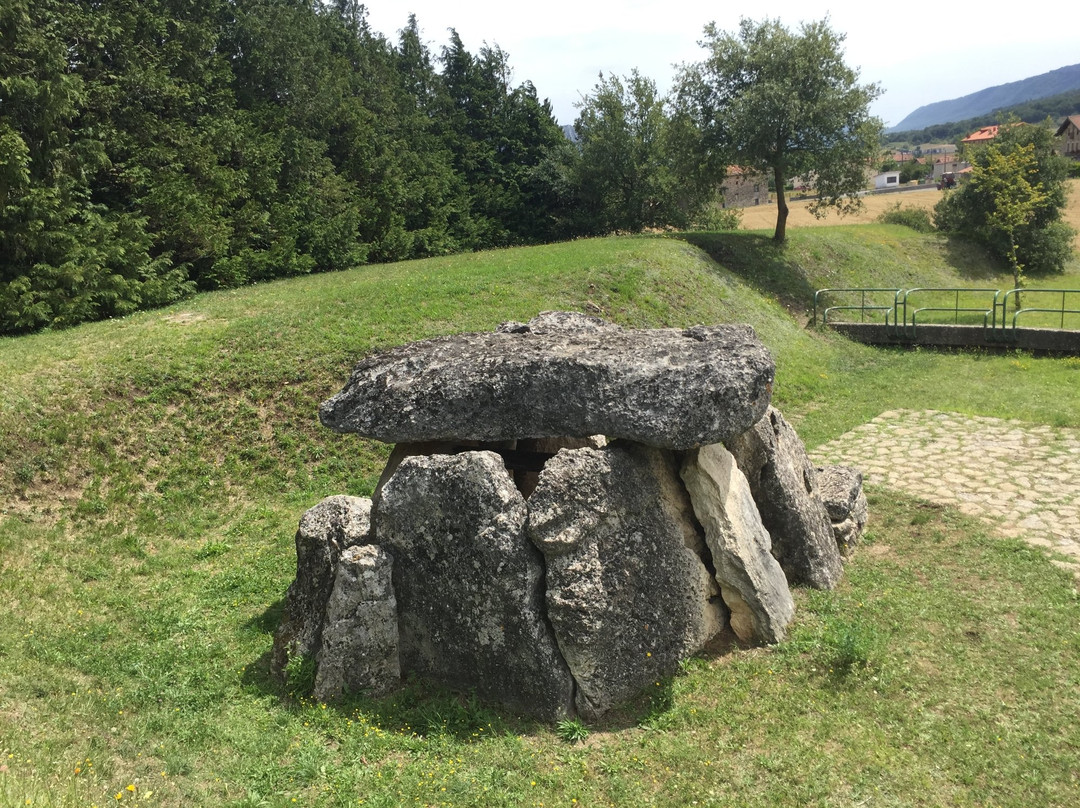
(884, 257)
(153, 469)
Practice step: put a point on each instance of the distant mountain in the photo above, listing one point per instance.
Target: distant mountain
(991, 99)
(1054, 107)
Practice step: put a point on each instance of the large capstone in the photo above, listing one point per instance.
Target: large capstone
(784, 485)
(751, 580)
(469, 584)
(325, 531)
(627, 595)
(561, 375)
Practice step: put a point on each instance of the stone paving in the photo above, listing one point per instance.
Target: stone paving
(1022, 479)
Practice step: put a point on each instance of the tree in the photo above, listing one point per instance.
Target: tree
(1014, 201)
(772, 101)
(630, 174)
(619, 178)
(500, 137)
(65, 255)
(1010, 180)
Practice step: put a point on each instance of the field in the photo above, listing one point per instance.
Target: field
(763, 217)
(153, 470)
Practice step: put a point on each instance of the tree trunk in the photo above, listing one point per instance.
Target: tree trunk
(1017, 270)
(781, 205)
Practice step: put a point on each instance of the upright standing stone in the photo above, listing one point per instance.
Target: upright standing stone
(325, 531)
(526, 479)
(784, 484)
(751, 581)
(841, 491)
(359, 651)
(469, 584)
(626, 595)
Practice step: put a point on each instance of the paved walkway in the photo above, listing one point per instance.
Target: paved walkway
(1021, 478)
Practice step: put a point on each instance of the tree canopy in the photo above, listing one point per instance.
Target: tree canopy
(631, 171)
(1014, 200)
(151, 148)
(774, 101)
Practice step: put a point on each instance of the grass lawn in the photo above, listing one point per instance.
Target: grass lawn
(153, 470)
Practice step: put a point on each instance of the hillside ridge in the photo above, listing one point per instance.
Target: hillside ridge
(990, 99)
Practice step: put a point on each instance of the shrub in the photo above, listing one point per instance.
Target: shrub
(572, 730)
(300, 675)
(715, 218)
(1047, 248)
(1013, 202)
(918, 219)
(849, 646)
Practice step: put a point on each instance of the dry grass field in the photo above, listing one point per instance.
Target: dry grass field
(763, 217)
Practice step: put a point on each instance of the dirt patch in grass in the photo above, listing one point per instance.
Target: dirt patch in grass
(184, 317)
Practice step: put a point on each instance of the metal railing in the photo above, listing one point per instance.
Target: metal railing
(902, 316)
(862, 308)
(1018, 309)
(902, 319)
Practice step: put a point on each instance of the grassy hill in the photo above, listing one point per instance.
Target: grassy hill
(153, 469)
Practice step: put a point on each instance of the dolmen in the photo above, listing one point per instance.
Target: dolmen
(570, 510)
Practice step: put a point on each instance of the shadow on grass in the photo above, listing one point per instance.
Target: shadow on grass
(759, 261)
(428, 710)
(971, 261)
(769, 268)
(269, 620)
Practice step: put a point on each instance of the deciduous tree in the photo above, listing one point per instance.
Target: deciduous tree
(785, 103)
(631, 172)
(1013, 203)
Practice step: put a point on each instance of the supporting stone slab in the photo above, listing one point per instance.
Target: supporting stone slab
(359, 652)
(627, 596)
(469, 584)
(325, 531)
(751, 580)
(784, 484)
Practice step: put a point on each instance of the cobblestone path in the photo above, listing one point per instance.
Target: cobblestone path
(1022, 479)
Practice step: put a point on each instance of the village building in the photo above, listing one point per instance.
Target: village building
(934, 149)
(742, 189)
(982, 136)
(1069, 132)
(949, 165)
(887, 179)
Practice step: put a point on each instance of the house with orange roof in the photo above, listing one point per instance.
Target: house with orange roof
(982, 136)
(1069, 132)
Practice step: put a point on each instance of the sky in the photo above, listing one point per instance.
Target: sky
(918, 53)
